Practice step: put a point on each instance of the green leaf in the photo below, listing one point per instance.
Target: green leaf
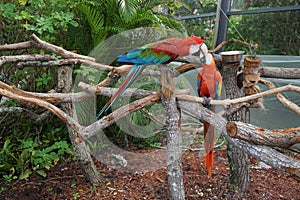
(25, 174)
(42, 173)
(8, 10)
(128, 8)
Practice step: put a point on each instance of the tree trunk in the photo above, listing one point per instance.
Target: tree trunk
(238, 160)
(83, 156)
(173, 148)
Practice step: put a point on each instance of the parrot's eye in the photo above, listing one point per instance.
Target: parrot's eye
(197, 53)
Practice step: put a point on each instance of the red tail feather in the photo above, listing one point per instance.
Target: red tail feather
(208, 147)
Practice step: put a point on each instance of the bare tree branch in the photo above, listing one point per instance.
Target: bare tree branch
(62, 115)
(283, 138)
(279, 72)
(22, 58)
(108, 120)
(58, 50)
(228, 102)
(67, 61)
(285, 102)
(16, 46)
(234, 41)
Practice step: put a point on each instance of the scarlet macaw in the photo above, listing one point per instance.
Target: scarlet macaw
(160, 52)
(209, 82)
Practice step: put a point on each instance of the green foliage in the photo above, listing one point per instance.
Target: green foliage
(24, 149)
(109, 17)
(275, 33)
(87, 74)
(44, 80)
(150, 142)
(48, 19)
(76, 195)
(29, 157)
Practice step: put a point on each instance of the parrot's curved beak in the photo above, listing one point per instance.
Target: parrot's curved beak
(205, 57)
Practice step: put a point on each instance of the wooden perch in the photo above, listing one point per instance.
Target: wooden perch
(279, 72)
(108, 120)
(37, 42)
(167, 83)
(277, 160)
(17, 95)
(285, 102)
(16, 91)
(22, 58)
(16, 46)
(174, 138)
(227, 102)
(257, 142)
(275, 138)
(234, 41)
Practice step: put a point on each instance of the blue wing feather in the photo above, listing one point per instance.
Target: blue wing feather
(139, 58)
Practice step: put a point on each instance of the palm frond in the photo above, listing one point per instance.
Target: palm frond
(128, 8)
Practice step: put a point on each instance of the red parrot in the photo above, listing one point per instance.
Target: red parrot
(209, 82)
(160, 52)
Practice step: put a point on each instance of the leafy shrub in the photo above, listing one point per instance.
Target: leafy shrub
(20, 161)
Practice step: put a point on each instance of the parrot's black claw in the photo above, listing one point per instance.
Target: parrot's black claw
(206, 101)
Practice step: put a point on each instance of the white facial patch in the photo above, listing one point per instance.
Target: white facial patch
(194, 48)
(204, 49)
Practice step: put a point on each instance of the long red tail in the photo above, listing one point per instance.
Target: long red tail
(208, 146)
(131, 76)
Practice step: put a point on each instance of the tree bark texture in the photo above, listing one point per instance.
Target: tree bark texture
(283, 138)
(174, 140)
(238, 160)
(279, 72)
(82, 155)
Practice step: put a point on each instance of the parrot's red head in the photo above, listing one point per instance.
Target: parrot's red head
(197, 39)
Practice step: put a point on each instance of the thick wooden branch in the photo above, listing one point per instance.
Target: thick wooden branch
(16, 46)
(174, 139)
(90, 90)
(19, 92)
(279, 72)
(19, 96)
(63, 62)
(283, 138)
(22, 58)
(108, 120)
(277, 160)
(105, 91)
(167, 83)
(185, 68)
(37, 42)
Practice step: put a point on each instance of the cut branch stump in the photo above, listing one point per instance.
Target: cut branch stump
(238, 160)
